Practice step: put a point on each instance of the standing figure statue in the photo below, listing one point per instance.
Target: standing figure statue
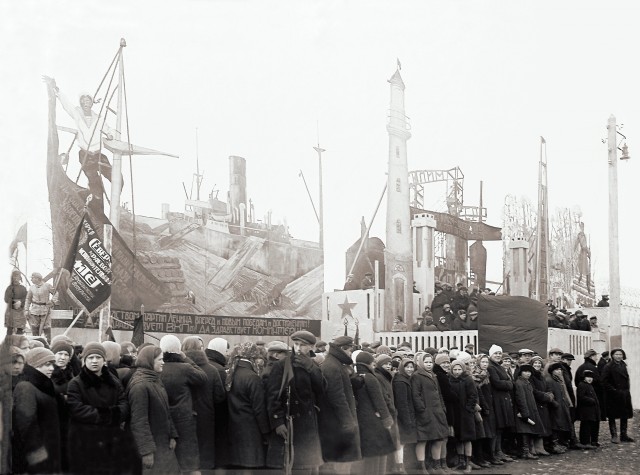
(584, 256)
(38, 306)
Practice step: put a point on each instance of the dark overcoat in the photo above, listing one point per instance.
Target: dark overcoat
(527, 408)
(36, 426)
(97, 407)
(615, 379)
(590, 364)
(437, 305)
(248, 419)
(304, 391)
(204, 399)
(221, 430)
(559, 407)
(501, 388)
(385, 378)
(543, 396)
(485, 399)
(404, 406)
(431, 417)
(338, 420)
(180, 377)
(449, 398)
(588, 408)
(151, 423)
(464, 425)
(373, 416)
(568, 382)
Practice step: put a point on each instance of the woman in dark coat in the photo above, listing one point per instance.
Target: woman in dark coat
(151, 425)
(528, 422)
(62, 375)
(374, 418)
(204, 399)
(464, 424)
(431, 417)
(561, 422)
(97, 407)
(180, 377)
(482, 454)
(248, 420)
(501, 388)
(382, 371)
(216, 351)
(300, 399)
(615, 379)
(588, 410)
(15, 296)
(403, 399)
(544, 397)
(36, 426)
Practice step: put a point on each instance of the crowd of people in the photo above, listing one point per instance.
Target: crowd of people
(313, 407)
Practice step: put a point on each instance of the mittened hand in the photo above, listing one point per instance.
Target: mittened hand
(305, 362)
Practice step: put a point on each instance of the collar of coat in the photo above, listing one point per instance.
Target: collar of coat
(384, 373)
(198, 357)
(39, 380)
(173, 357)
(340, 355)
(425, 373)
(216, 357)
(91, 379)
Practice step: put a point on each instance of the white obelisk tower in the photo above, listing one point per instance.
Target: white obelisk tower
(398, 254)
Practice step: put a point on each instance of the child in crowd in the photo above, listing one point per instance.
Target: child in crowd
(588, 411)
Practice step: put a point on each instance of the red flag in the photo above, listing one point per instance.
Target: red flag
(138, 331)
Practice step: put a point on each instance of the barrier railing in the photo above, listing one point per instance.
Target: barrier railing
(422, 340)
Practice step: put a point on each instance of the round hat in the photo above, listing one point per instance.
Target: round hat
(494, 349)
(218, 344)
(62, 345)
(527, 367)
(588, 372)
(94, 348)
(442, 358)
(364, 357)
(554, 366)
(463, 357)
(382, 359)
(39, 356)
(590, 353)
(624, 355)
(304, 337)
(170, 344)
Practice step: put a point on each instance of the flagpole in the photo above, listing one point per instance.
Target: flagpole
(105, 312)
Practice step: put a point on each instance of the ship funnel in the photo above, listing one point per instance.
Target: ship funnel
(238, 185)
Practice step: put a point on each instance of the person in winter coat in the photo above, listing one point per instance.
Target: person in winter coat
(588, 410)
(528, 422)
(338, 420)
(383, 371)
(217, 355)
(15, 296)
(406, 414)
(248, 419)
(464, 425)
(374, 419)
(461, 300)
(36, 425)
(181, 377)
(293, 389)
(438, 302)
(482, 453)
(501, 388)
(153, 430)
(205, 398)
(461, 322)
(543, 397)
(559, 407)
(62, 374)
(97, 408)
(615, 379)
(591, 365)
(442, 324)
(431, 417)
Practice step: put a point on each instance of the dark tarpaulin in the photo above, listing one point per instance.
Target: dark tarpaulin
(512, 323)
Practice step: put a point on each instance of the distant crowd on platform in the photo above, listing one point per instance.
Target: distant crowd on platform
(183, 407)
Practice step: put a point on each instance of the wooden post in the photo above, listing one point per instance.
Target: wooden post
(105, 312)
(615, 330)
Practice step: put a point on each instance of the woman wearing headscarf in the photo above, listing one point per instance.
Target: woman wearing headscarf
(62, 375)
(404, 406)
(383, 373)
(464, 425)
(482, 453)
(528, 422)
(248, 420)
(97, 408)
(36, 425)
(543, 397)
(151, 425)
(181, 377)
(204, 399)
(374, 419)
(15, 296)
(501, 389)
(431, 418)
(561, 422)
(217, 355)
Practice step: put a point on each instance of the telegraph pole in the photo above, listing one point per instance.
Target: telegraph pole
(615, 330)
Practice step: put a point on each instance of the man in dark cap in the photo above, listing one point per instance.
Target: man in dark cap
(617, 386)
(293, 389)
(604, 359)
(350, 283)
(604, 301)
(589, 364)
(580, 323)
(461, 300)
(338, 420)
(321, 347)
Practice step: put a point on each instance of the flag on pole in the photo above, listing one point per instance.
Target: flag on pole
(88, 265)
(542, 140)
(21, 237)
(138, 331)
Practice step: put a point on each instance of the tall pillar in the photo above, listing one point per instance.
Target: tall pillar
(398, 254)
(519, 275)
(615, 327)
(423, 255)
(237, 184)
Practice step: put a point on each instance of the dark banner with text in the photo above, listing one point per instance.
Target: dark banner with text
(175, 323)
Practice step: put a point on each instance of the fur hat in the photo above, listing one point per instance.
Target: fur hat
(170, 344)
(527, 367)
(39, 356)
(382, 359)
(554, 366)
(364, 357)
(382, 349)
(457, 363)
(494, 349)
(94, 348)
(218, 344)
(624, 355)
(442, 358)
(432, 351)
(62, 345)
(588, 373)
(463, 357)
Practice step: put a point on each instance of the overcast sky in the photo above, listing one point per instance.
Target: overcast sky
(259, 79)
